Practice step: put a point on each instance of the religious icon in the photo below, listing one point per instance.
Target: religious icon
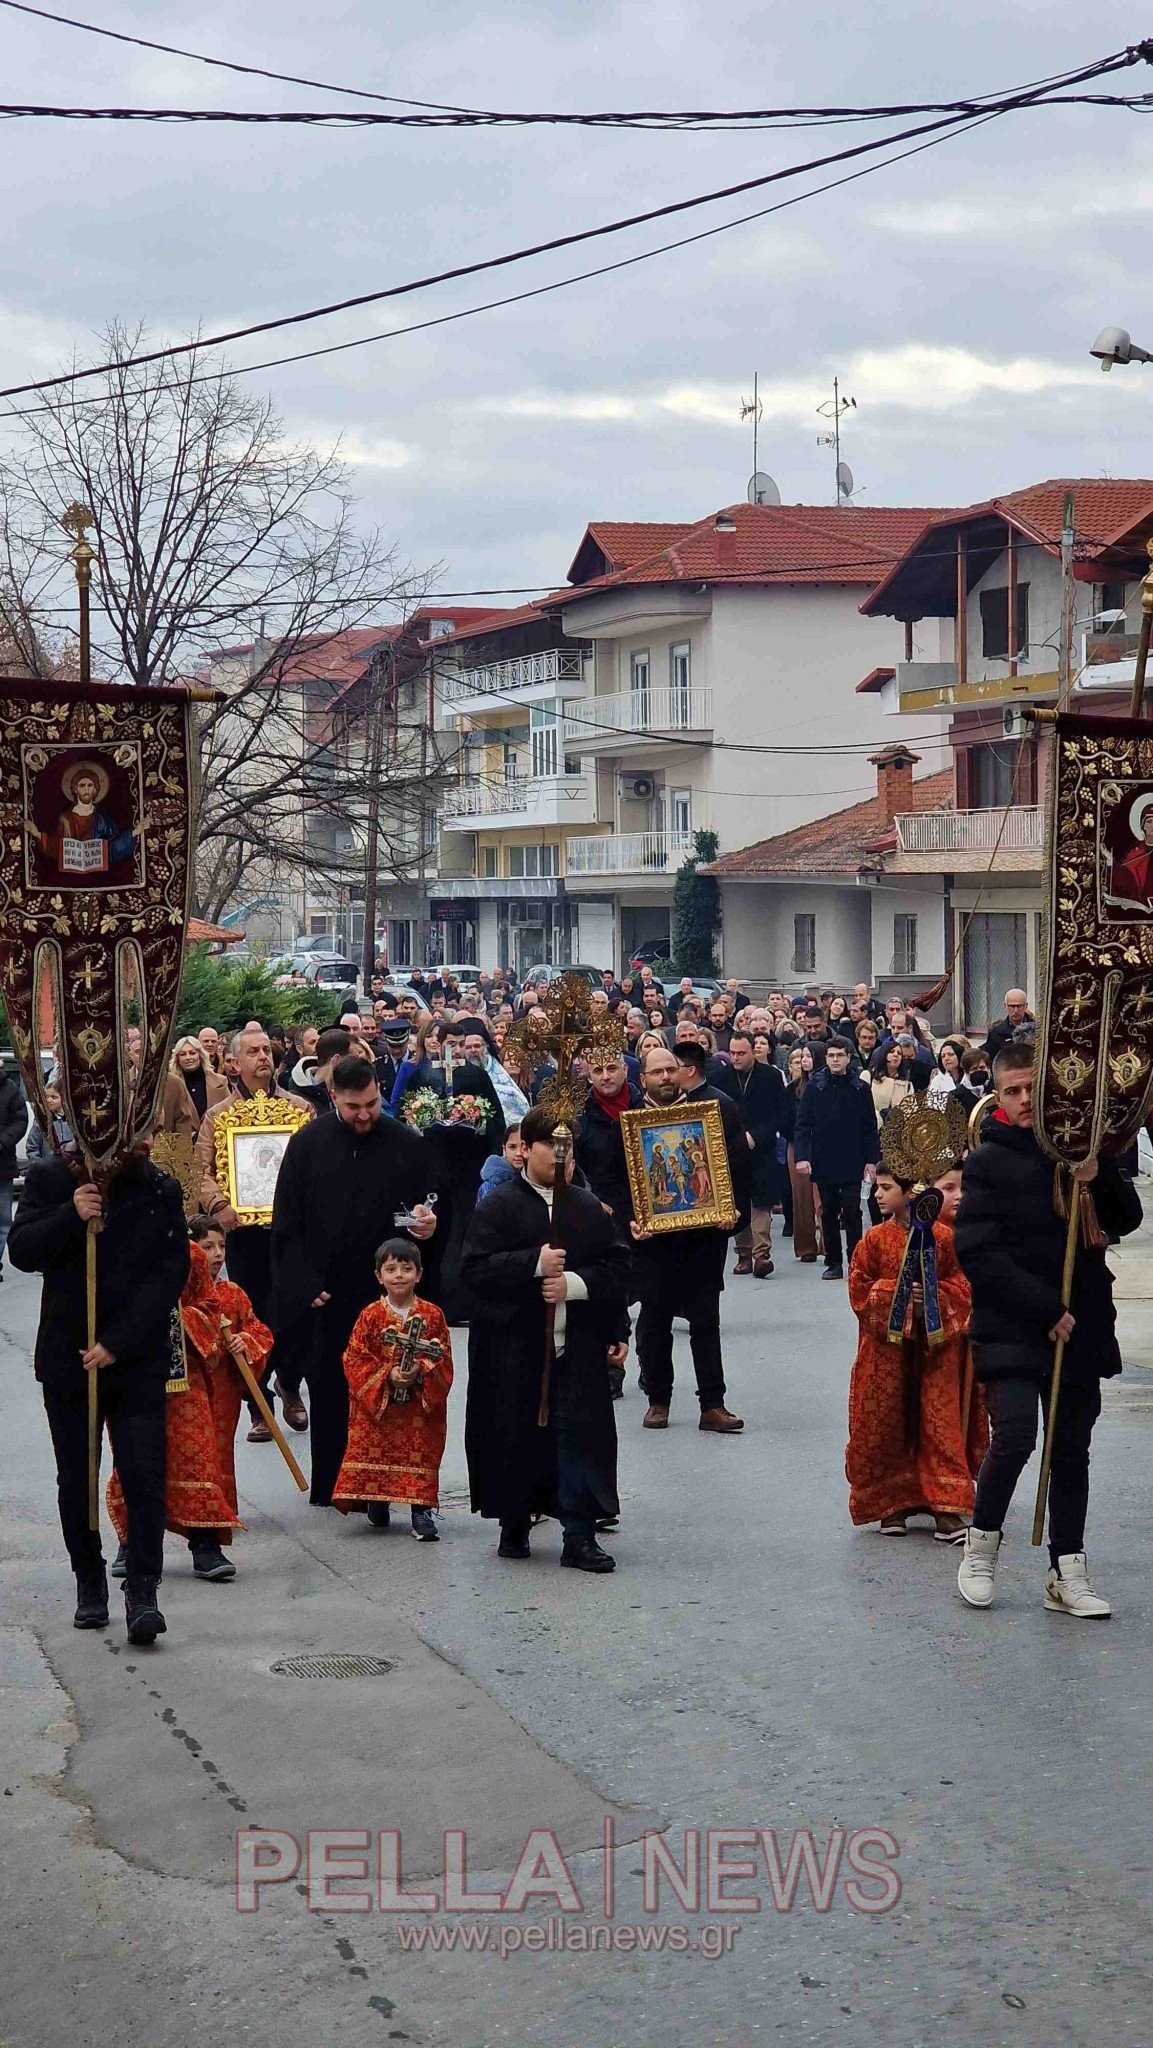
(678, 1167)
(1127, 851)
(83, 816)
(251, 1138)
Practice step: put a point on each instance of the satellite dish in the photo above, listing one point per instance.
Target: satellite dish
(762, 489)
(844, 480)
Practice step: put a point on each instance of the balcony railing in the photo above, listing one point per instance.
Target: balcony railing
(595, 720)
(629, 853)
(486, 799)
(552, 665)
(1021, 829)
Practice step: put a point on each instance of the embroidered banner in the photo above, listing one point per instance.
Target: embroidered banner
(95, 877)
(1095, 1020)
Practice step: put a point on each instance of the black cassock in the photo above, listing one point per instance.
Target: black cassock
(515, 1468)
(336, 1197)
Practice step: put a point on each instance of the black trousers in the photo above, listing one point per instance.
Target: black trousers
(840, 1204)
(655, 1347)
(1014, 1406)
(249, 1253)
(133, 1405)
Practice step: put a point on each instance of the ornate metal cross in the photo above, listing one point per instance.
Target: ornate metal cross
(412, 1347)
(572, 1030)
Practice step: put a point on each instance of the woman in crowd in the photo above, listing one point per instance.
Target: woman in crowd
(837, 1015)
(763, 1047)
(798, 1074)
(205, 1088)
(885, 1081)
(784, 1039)
(950, 1070)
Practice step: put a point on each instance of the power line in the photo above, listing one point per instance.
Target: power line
(751, 123)
(673, 207)
(973, 104)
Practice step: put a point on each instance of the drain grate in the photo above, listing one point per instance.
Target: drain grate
(332, 1664)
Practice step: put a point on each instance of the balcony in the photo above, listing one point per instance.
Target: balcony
(486, 805)
(929, 841)
(1107, 661)
(629, 853)
(632, 718)
(525, 679)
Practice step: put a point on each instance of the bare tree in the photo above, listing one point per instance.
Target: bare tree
(223, 552)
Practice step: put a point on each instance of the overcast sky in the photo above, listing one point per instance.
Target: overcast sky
(955, 295)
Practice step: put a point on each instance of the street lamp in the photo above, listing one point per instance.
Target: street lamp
(1114, 345)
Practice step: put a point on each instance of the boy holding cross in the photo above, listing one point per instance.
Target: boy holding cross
(398, 1365)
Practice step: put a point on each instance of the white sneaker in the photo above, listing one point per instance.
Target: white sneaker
(978, 1564)
(1067, 1590)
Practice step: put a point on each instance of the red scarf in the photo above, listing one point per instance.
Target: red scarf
(613, 1105)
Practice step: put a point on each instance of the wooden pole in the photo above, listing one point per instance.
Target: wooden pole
(560, 1140)
(1058, 1361)
(94, 1431)
(266, 1414)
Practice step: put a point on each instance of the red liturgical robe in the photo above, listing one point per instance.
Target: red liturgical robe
(394, 1448)
(886, 1475)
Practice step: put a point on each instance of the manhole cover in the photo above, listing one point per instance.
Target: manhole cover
(334, 1664)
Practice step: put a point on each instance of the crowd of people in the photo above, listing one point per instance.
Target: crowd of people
(420, 1191)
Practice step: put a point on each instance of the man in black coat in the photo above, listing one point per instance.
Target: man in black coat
(597, 1140)
(761, 1100)
(1010, 1241)
(13, 1124)
(341, 1182)
(141, 1266)
(568, 1467)
(1017, 1012)
(683, 1274)
(836, 1142)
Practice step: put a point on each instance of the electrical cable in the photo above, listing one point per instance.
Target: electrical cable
(975, 103)
(671, 208)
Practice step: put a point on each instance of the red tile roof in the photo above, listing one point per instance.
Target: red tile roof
(760, 544)
(483, 624)
(200, 933)
(837, 844)
(625, 541)
(872, 684)
(1106, 512)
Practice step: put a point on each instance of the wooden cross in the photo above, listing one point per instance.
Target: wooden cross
(413, 1347)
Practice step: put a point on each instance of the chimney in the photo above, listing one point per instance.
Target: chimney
(725, 523)
(894, 766)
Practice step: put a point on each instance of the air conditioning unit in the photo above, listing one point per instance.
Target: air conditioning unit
(639, 787)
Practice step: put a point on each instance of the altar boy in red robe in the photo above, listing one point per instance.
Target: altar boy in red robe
(398, 1365)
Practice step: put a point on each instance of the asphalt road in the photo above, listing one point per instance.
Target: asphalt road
(753, 1664)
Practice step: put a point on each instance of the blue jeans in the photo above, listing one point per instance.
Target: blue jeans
(5, 1214)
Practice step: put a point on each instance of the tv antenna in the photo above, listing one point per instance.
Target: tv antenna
(751, 408)
(835, 410)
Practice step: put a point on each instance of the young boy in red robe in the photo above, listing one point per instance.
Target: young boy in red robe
(399, 1369)
(905, 1453)
(200, 1500)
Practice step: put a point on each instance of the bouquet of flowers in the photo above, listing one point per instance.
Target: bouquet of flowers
(423, 1107)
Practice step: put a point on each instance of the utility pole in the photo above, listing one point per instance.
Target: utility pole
(1068, 605)
(382, 694)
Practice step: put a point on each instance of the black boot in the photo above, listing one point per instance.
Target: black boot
(118, 1569)
(513, 1540)
(91, 1599)
(584, 1554)
(378, 1514)
(143, 1616)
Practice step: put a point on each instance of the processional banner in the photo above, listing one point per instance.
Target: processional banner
(1095, 1028)
(96, 807)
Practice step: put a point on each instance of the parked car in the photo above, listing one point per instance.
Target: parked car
(651, 951)
(593, 975)
(704, 986)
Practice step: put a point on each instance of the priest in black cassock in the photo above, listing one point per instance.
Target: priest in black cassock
(342, 1183)
(569, 1467)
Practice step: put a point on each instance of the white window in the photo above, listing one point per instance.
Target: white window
(681, 811)
(904, 944)
(545, 741)
(489, 860)
(804, 943)
(679, 673)
(639, 688)
(533, 860)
